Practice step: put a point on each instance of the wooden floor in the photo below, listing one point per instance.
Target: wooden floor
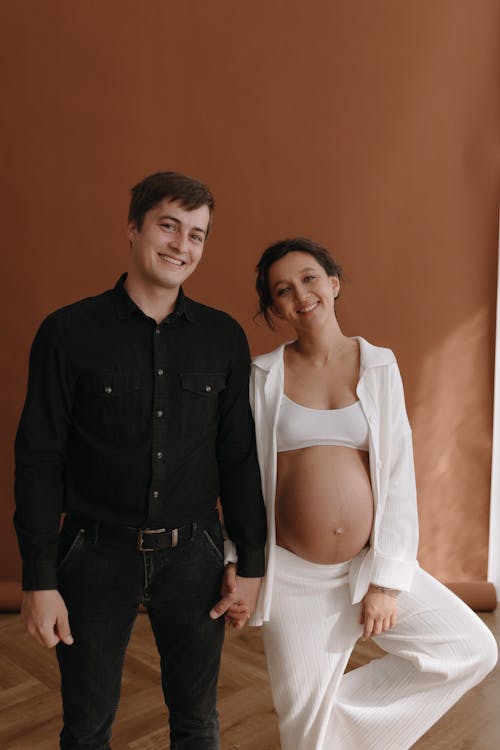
(30, 706)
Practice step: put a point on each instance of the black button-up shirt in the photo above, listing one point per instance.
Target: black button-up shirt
(132, 423)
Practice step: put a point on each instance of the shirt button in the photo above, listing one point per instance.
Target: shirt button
(108, 389)
(208, 388)
(159, 414)
(157, 330)
(160, 371)
(159, 454)
(156, 494)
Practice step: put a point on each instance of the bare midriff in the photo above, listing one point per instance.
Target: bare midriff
(324, 502)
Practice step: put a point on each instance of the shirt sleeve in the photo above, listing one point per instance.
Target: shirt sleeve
(397, 535)
(40, 456)
(240, 487)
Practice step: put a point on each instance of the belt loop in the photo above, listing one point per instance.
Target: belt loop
(194, 526)
(96, 532)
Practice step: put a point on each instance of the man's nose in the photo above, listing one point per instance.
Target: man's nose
(180, 242)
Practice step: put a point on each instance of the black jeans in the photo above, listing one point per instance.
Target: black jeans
(103, 582)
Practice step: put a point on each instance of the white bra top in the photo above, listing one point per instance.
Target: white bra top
(301, 427)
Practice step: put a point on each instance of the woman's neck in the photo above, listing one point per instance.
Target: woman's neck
(321, 345)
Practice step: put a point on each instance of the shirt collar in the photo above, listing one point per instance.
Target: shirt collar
(370, 356)
(126, 306)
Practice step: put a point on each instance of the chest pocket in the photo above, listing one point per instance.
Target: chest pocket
(199, 401)
(110, 404)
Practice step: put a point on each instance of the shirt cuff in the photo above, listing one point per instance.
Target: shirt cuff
(230, 554)
(392, 573)
(39, 575)
(251, 562)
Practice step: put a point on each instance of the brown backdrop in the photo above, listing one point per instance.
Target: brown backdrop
(371, 126)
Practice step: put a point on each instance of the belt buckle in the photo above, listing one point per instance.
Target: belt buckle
(140, 538)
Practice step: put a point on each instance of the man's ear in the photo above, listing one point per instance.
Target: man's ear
(131, 231)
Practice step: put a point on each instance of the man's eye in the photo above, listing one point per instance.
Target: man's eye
(309, 278)
(169, 227)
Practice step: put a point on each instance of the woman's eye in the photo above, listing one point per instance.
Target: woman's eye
(281, 292)
(196, 237)
(309, 278)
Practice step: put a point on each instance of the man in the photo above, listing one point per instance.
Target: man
(136, 420)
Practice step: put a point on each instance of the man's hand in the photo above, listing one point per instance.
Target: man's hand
(239, 596)
(45, 617)
(378, 611)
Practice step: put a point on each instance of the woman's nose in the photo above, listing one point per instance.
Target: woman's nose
(301, 295)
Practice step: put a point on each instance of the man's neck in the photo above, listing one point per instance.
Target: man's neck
(155, 302)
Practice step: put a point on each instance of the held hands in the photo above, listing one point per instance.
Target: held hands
(239, 596)
(378, 611)
(45, 617)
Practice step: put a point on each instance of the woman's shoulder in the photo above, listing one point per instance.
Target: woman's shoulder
(269, 359)
(374, 356)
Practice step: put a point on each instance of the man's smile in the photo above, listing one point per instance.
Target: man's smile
(170, 259)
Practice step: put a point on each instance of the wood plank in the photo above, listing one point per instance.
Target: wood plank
(30, 701)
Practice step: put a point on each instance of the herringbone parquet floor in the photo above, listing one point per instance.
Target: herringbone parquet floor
(30, 706)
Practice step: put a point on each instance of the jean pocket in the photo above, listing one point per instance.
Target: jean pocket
(70, 543)
(213, 546)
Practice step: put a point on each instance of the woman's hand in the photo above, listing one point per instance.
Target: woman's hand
(379, 611)
(237, 615)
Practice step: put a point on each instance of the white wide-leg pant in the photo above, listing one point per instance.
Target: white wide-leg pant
(438, 650)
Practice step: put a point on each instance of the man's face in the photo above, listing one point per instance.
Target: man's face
(169, 245)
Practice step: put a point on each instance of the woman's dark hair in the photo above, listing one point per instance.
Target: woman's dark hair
(279, 250)
(190, 193)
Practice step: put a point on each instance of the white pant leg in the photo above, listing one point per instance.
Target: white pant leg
(438, 650)
(312, 630)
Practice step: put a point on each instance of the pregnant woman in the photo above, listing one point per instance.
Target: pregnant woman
(335, 452)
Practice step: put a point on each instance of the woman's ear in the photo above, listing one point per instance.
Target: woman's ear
(335, 286)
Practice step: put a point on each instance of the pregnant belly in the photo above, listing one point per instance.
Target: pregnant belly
(324, 502)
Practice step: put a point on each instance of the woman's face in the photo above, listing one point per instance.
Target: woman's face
(302, 292)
